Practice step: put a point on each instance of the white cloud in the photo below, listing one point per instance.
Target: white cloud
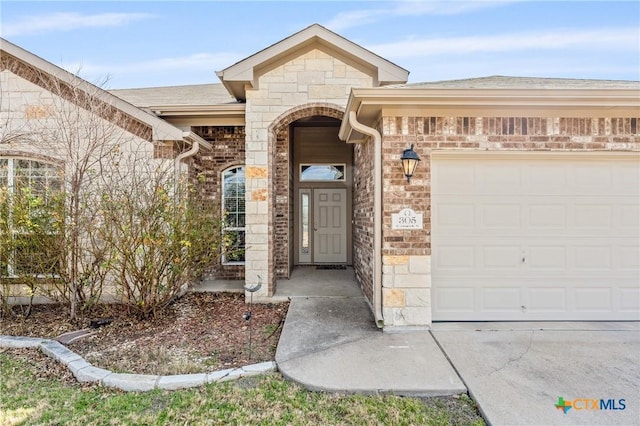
(614, 39)
(356, 18)
(205, 63)
(39, 24)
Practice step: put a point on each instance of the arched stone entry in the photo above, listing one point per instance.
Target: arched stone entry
(282, 180)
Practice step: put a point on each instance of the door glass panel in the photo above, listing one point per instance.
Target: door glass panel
(304, 245)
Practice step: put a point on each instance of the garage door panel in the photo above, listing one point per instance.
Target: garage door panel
(500, 216)
(627, 179)
(547, 216)
(460, 179)
(550, 175)
(592, 216)
(546, 258)
(531, 300)
(544, 299)
(455, 300)
(592, 258)
(558, 240)
(456, 215)
(500, 257)
(456, 258)
(629, 298)
(500, 299)
(629, 218)
(593, 299)
(588, 176)
(628, 258)
(498, 174)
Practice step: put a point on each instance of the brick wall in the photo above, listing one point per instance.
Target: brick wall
(168, 150)
(363, 195)
(407, 254)
(283, 217)
(206, 172)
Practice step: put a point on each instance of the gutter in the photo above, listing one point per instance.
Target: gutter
(377, 214)
(196, 142)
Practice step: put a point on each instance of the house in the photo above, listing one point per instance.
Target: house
(525, 203)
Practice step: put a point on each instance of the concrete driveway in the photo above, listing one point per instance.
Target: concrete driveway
(517, 371)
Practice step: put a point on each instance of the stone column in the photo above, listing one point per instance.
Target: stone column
(258, 215)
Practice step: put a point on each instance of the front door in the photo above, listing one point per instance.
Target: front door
(323, 226)
(329, 225)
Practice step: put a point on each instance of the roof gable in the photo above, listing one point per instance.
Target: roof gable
(246, 72)
(160, 129)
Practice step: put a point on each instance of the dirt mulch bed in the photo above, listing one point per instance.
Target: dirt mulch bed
(200, 332)
(43, 367)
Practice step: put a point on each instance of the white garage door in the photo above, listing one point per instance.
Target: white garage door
(539, 236)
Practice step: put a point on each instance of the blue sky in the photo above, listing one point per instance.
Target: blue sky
(164, 43)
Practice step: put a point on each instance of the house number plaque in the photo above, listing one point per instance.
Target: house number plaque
(406, 219)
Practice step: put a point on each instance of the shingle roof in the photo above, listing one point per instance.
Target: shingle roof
(216, 94)
(507, 82)
(197, 94)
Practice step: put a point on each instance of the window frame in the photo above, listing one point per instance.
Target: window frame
(223, 203)
(11, 179)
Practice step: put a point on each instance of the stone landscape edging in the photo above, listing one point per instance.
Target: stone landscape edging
(84, 372)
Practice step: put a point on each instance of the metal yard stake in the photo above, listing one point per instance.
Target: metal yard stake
(247, 315)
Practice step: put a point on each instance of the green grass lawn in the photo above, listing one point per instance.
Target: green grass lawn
(267, 400)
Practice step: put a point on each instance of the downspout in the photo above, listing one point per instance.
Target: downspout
(377, 212)
(195, 147)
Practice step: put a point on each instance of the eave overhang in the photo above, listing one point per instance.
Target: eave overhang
(371, 104)
(235, 111)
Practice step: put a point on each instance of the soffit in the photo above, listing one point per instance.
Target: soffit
(236, 77)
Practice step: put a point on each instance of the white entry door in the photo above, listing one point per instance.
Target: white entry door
(329, 225)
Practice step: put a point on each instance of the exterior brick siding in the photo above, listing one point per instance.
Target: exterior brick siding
(479, 133)
(363, 195)
(206, 172)
(283, 190)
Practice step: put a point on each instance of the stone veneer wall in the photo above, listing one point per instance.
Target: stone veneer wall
(363, 196)
(73, 94)
(407, 254)
(206, 173)
(314, 77)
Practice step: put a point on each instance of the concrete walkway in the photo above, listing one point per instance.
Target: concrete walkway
(332, 344)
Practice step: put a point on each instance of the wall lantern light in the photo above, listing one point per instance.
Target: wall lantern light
(409, 162)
